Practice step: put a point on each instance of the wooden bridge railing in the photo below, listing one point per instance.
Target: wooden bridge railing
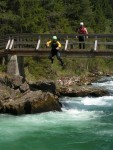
(37, 42)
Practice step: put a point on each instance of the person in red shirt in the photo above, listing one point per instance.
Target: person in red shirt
(83, 31)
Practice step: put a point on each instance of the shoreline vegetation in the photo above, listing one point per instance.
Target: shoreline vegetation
(41, 69)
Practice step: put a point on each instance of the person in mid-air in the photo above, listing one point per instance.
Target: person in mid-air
(55, 46)
(83, 31)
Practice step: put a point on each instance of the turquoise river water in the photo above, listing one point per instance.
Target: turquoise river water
(84, 124)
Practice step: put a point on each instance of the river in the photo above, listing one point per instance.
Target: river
(84, 124)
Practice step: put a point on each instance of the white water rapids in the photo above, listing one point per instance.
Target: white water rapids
(84, 124)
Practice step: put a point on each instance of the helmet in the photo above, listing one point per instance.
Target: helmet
(54, 37)
(81, 23)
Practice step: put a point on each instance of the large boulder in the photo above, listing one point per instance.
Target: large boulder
(32, 102)
(18, 97)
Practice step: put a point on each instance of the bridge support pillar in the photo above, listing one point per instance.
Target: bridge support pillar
(15, 65)
(20, 60)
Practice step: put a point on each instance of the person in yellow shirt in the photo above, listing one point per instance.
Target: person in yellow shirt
(55, 46)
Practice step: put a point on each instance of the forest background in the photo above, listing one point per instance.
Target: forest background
(58, 16)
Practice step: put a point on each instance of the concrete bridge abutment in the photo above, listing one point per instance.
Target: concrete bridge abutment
(15, 65)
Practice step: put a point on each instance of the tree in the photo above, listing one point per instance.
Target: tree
(7, 18)
(55, 16)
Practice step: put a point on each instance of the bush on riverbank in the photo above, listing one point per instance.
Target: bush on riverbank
(42, 68)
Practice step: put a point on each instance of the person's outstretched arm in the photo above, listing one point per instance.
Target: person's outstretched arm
(59, 45)
(48, 43)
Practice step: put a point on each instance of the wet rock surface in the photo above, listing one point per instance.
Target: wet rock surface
(32, 102)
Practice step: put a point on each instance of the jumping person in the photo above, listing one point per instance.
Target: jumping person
(55, 46)
(83, 31)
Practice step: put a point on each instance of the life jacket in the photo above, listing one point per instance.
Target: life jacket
(82, 30)
(54, 44)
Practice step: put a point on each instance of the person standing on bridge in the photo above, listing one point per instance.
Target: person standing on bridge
(55, 46)
(83, 31)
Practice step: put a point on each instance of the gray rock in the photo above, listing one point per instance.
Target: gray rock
(46, 86)
(14, 81)
(24, 87)
(83, 91)
(32, 102)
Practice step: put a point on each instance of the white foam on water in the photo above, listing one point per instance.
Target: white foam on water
(78, 112)
(86, 101)
(107, 85)
(99, 101)
(18, 126)
(86, 108)
(82, 115)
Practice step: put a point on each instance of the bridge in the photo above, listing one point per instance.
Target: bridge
(16, 46)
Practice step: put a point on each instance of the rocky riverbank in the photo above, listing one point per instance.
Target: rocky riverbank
(18, 96)
(78, 86)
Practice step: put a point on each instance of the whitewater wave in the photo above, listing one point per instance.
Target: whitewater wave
(106, 83)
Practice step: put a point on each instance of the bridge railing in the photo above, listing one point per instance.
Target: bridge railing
(70, 42)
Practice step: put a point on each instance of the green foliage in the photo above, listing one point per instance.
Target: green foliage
(39, 68)
(55, 16)
(2, 68)
(42, 68)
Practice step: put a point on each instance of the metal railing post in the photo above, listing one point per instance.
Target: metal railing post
(11, 44)
(66, 44)
(38, 44)
(95, 44)
(8, 44)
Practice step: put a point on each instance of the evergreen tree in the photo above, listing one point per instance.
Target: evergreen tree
(72, 11)
(7, 18)
(87, 15)
(55, 16)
